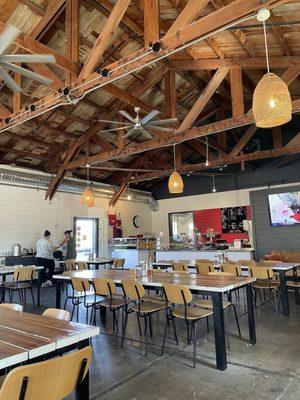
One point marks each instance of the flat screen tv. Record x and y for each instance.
(284, 208)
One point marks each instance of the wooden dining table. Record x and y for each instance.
(213, 286)
(25, 337)
(281, 268)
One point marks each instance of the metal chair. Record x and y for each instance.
(178, 299)
(57, 313)
(203, 268)
(82, 265)
(11, 306)
(180, 266)
(22, 281)
(134, 295)
(118, 263)
(81, 293)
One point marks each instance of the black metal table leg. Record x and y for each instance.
(250, 309)
(58, 284)
(219, 327)
(284, 300)
(83, 388)
(297, 296)
(39, 283)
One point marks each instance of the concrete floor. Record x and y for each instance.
(268, 370)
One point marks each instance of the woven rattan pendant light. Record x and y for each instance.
(175, 183)
(87, 198)
(272, 104)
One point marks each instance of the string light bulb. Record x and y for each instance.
(214, 185)
(207, 152)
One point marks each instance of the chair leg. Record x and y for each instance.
(124, 328)
(116, 328)
(65, 303)
(194, 328)
(237, 320)
(165, 336)
(150, 325)
(32, 296)
(77, 319)
(276, 305)
(226, 328)
(24, 297)
(188, 333)
(174, 329)
(73, 309)
(207, 324)
(20, 296)
(139, 323)
(146, 335)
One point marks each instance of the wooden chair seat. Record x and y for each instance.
(266, 285)
(208, 304)
(193, 313)
(293, 284)
(148, 307)
(16, 285)
(112, 303)
(158, 299)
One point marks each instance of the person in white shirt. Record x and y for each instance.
(44, 257)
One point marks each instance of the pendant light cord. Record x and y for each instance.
(88, 176)
(266, 46)
(174, 158)
(206, 150)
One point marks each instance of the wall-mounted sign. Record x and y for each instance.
(112, 218)
(232, 219)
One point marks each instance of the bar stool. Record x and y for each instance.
(134, 294)
(178, 298)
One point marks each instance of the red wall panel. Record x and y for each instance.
(204, 219)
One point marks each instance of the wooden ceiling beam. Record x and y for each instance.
(170, 93)
(203, 99)
(23, 153)
(277, 137)
(104, 38)
(4, 112)
(72, 36)
(237, 95)
(248, 63)
(250, 132)
(151, 22)
(17, 95)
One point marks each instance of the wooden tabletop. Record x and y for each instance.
(192, 263)
(7, 270)
(195, 282)
(24, 336)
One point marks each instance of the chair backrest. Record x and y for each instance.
(247, 263)
(54, 379)
(233, 268)
(203, 268)
(57, 313)
(177, 294)
(11, 306)
(180, 266)
(133, 289)
(23, 274)
(260, 271)
(81, 265)
(80, 285)
(70, 265)
(203, 260)
(104, 287)
(221, 273)
(118, 263)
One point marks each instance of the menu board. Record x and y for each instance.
(232, 219)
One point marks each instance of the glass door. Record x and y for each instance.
(86, 235)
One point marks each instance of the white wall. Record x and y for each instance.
(24, 215)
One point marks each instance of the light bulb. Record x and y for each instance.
(214, 189)
(129, 197)
(206, 163)
(175, 184)
(272, 103)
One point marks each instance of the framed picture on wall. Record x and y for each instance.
(232, 219)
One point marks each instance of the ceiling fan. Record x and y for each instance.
(7, 37)
(141, 125)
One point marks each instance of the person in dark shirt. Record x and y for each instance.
(71, 246)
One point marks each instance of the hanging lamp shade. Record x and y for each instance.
(272, 104)
(87, 198)
(175, 183)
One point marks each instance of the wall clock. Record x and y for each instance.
(137, 221)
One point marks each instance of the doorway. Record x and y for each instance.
(86, 235)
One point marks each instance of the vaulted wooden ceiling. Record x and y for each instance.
(208, 85)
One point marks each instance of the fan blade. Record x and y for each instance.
(127, 116)
(115, 129)
(148, 134)
(29, 58)
(28, 74)
(130, 132)
(150, 116)
(9, 81)
(165, 121)
(7, 37)
(113, 122)
(159, 128)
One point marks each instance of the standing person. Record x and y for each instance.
(44, 257)
(71, 245)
